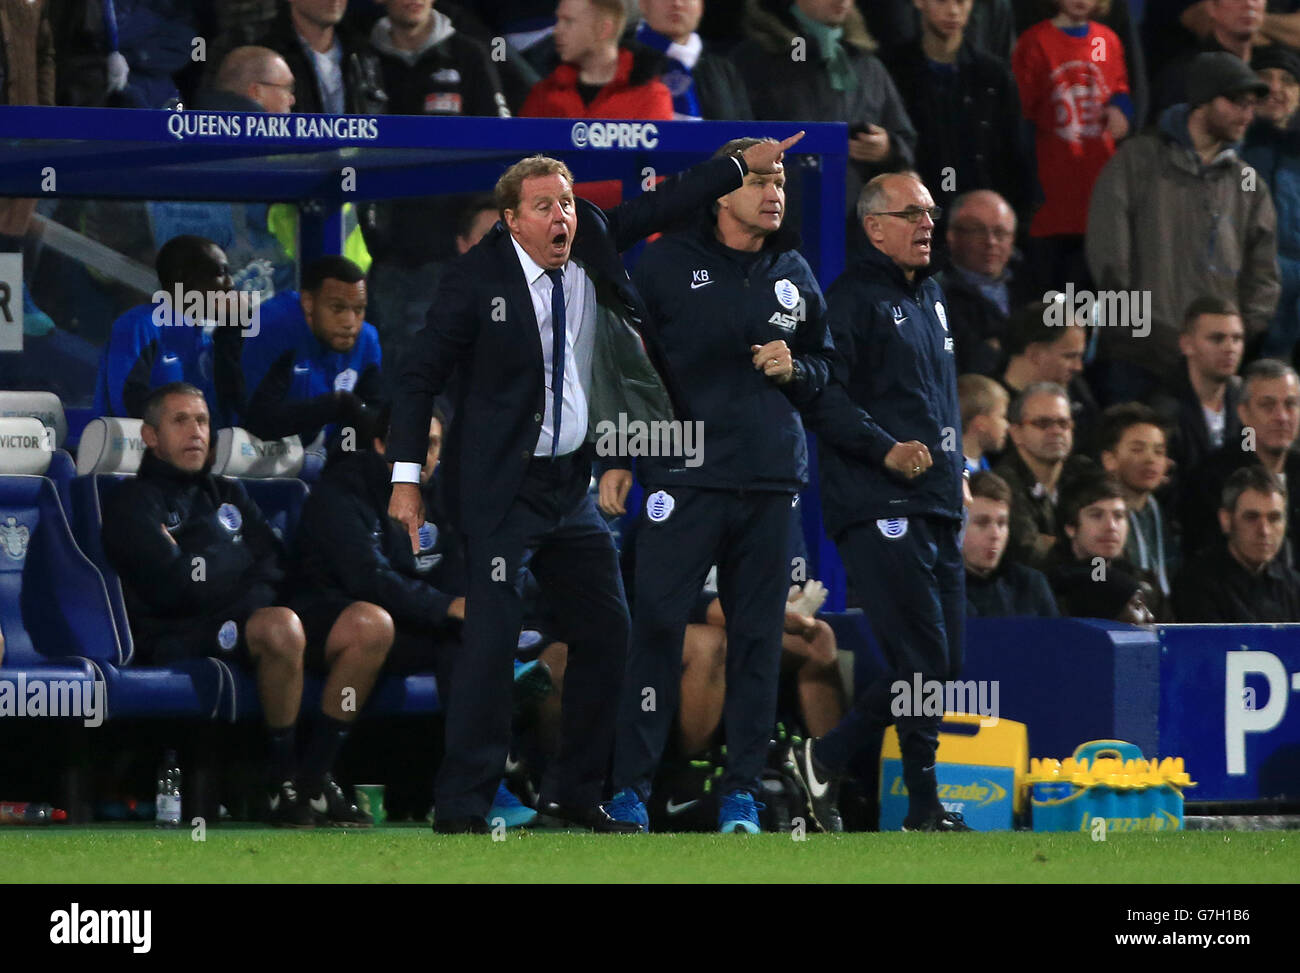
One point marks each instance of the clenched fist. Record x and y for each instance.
(909, 459)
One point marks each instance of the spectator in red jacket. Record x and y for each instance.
(1074, 90)
(599, 79)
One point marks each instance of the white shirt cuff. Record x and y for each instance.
(406, 472)
(739, 165)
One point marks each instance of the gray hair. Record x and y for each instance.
(1264, 370)
(153, 406)
(1016, 412)
(1252, 477)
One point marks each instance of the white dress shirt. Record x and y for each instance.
(580, 331)
(580, 338)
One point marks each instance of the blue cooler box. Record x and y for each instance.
(979, 770)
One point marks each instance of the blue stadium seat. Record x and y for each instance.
(281, 501)
(88, 494)
(53, 602)
(415, 695)
(109, 453)
(269, 471)
(46, 407)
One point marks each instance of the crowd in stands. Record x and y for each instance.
(1118, 248)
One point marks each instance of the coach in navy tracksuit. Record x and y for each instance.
(892, 486)
(741, 319)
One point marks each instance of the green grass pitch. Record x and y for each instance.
(414, 854)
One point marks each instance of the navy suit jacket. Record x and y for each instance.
(482, 327)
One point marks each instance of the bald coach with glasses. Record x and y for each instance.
(893, 487)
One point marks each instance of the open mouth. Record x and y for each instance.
(560, 240)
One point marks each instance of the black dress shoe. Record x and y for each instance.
(595, 818)
(468, 825)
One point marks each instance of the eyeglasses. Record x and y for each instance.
(996, 234)
(913, 214)
(1044, 423)
(282, 85)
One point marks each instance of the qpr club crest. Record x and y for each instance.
(427, 560)
(659, 506)
(228, 635)
(14, 537)
(230, 517)
(787, 294)
(346, 380)
(892, 528)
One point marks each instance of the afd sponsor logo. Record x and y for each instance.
(981, 793)
(614, 135)
(274, 448)
(79, 699)
(1242, 714)
(1159, 821)
(75, 926)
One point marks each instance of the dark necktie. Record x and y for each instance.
(558, 329)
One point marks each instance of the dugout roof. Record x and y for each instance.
(322, 161)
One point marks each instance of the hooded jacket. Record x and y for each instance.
(635, 92)
(451, 74)
(156, 527)
(782, 88)
(895, 381)
(347, 545)
(710, 305)
(1162, 221)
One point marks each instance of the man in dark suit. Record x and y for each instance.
(518, 459)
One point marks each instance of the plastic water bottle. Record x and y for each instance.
(167, 808)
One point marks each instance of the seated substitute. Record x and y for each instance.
(200, 566)
(314, 362)
(348, 550)
(156, 343)
(1243, 578)
(997, 587)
